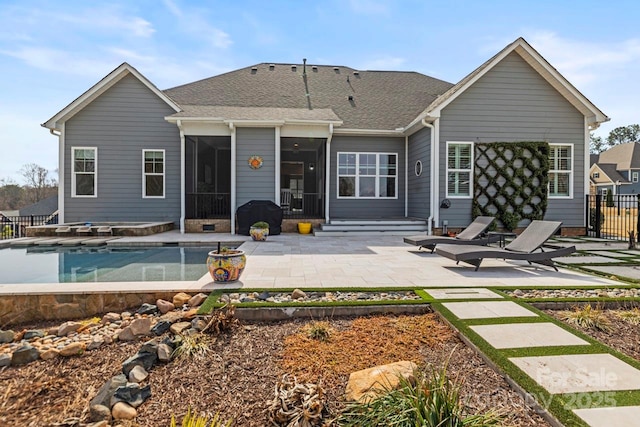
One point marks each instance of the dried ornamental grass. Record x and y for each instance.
(296, 404)
(587, 317)
(631, 316)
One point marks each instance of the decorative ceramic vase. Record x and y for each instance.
(226, 266)
(259, 234)
(304, 227)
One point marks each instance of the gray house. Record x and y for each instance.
(328, 143)
(617, 170)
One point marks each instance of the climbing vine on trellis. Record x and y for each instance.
(511, 181)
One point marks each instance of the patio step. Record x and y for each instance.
(368, 227)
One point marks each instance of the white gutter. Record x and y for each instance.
(277, 168)
(233, 177)
(406, 176)
(61, 149)
(327, 183)
(183, 210)
(432, 174)
(373, 132)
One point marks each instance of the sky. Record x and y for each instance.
(53, 51)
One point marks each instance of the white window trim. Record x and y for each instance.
(163, 174)
(596, 175)
(73, 174)
(570, 196)
(447, 170)
(357, 175)
(635, 176)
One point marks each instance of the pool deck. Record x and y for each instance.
(307, 261)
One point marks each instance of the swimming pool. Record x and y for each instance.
(102, 264)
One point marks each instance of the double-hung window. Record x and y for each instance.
(560, 170)
(459, 169)
(634, 176)
(152, 173)
(368, 175)
(83, 178)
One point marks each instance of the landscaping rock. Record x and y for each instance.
(96, 342)
(197, 300)
(147, 308)
(111, 318)
(141, 326)
(164, 353)
(103, 423)
(99, 413)
(177, 328)
(165, 306)
(126, 334)
(298, 294)
(181, 299)
(5, 360)
(365, 384)
(171, 317)
(24, 354)
(161, 327)
(198, 324)
(190, 314)
(146, 360)
(122, 411)
(73, 349)
(6, 336)
(103, 397)
(150, 346)
(33, 334)
(68, 327)
(131, 394)
(52, 353)
(263, 296)
(138, 374)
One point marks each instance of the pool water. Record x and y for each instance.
(119, 264)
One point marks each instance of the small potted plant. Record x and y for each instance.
(226, 265)
(259, 230)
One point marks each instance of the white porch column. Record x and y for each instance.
(233, 177)
(61, 171)
(183, 212)
(327, 175)
(277, 165)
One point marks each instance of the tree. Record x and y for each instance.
(11, 195)
(37, 181)
(624, 134)
(596, 144)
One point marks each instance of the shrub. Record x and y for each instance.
(192, 346)
(609, 199)
(433, 401)
(193, 420)
(587, 318)
(631, 316)
(320, 331)
(261, 224)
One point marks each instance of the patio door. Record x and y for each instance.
(292, 185)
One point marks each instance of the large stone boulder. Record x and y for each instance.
(366, 384)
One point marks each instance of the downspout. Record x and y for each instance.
(432, 173)
(277, 168)
(61, 172)
(327, 169)
(233, 177)
(182, 178)
(406, 176)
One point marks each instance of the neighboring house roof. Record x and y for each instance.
(44, 207)
(594, 115)
(361, 99)
(10, 213)
(593, 159)
(98, 89)
(611, 175)
(626, 156)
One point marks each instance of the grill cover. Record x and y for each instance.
(259, 210)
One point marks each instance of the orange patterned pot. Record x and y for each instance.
(226, 266)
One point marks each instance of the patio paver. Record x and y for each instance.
(487, 309)
(476, 293)
(579, 373)
(523, 335)
(606, 417)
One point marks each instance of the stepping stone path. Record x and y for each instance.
(569, 374)
(119, 397)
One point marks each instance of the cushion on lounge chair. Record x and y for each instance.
(521, 248)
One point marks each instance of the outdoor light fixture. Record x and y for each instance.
(312, 166)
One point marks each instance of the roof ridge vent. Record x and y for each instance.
(254, 70)
(356, 73)
(294, 67)
(272, 67)
(314, 67)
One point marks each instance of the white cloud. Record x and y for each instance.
(194, 23)
(60, 61)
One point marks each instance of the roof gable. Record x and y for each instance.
(520, 46)
(99, 88)
(611, 175)
(625, 156)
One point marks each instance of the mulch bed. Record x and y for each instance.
(237, 377)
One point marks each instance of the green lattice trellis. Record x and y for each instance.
(511, 181)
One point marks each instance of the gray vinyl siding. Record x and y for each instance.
(121, 122)
(255, 184)
(419, 186)
(512, 102)
(366, 208)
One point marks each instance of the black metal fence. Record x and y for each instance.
(208, 205)
(613, 217)
(13, 227)
(306, 205)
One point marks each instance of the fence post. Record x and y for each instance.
(638, 219)
(598, 214)
(31, 221)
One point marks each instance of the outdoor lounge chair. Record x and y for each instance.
(469, 236)
(522, 247)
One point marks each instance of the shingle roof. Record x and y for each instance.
(626, 156)
(257, 113)
(43, 207)
(380, 99)
(610, 170)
